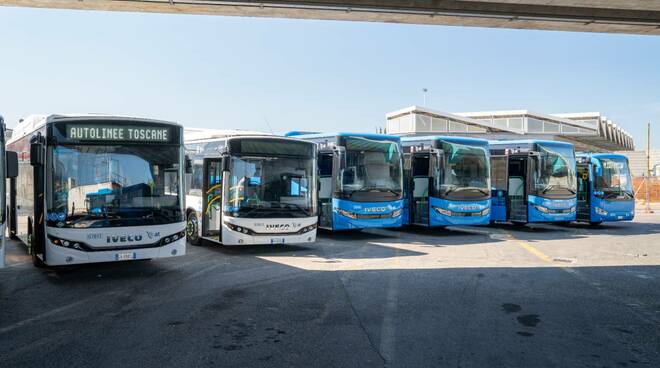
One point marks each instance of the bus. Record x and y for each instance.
(447, 181)
(98, 188)
(8, 170)
(360, 180)
(250, 188)
(605, 190)
(533, 181)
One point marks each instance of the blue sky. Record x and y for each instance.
(223, 72)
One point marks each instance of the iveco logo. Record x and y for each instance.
(466, 207)
(123, 238)
(278, 226)
(375, 209)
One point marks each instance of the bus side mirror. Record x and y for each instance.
(225, 163)
(598, 168)
(538, 162)
(188, 165)
(437, 165)
(341, 157)
(12, 164)
(37, 151)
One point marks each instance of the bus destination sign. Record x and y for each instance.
(95, 132)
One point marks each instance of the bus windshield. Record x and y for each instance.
(466, 173)
(614, 181)
(271, 187)
(554, 174)
(373, 170)
(112, 185)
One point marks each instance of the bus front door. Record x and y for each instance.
(517, 184)
(583, 193)
(325, 188)
(212, 199)
(419, 197)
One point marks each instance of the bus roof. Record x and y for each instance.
(601, 155)
(461, 140)
(530, 141)
(308, 135)
(31, 123)
(200, 135)
(196, 135)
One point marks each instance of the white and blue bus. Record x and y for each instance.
(360, 180)
(8, 170)
(250, 188)
(98, 188)
(605, 190)
(533, 181)
(447, 181)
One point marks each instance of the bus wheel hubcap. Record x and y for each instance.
(191, 228)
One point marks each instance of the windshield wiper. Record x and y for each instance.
(553, 186)
(462, 189)
(378, 189)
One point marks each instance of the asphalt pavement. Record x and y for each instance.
(503, 296)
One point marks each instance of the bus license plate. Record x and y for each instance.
(127, 256)
(277, 241)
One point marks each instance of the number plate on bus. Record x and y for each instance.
(126, 256)
(277, 241)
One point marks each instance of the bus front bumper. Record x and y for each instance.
(61, 256)
(232, 237)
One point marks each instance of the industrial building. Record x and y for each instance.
(587, 131)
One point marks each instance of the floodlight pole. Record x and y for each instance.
(648, 167)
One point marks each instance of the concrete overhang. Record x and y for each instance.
(609, 16)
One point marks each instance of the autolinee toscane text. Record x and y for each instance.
(117, 133)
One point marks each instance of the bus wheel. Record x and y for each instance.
(36, 261)
(192, 229)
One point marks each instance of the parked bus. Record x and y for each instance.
(605, 191)
(360, 180)
(447, 181)
(250, 188)
(98, 188)
(533, 181)
(8, 170)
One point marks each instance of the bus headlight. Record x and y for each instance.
(601, 211)
(485, 212)
(541, 209)
(172, 238)
(66, 243)
(442, 211)
(239, 229)
(573, 209)
(347, 213)
(397, 212)
(307, 229)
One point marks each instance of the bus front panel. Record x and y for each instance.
(459, 213)
(349, 215)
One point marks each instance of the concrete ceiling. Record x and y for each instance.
(610, 16)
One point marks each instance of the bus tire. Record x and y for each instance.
(192, 229)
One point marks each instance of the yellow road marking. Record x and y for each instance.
(532, 249)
